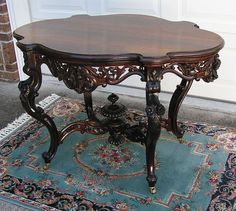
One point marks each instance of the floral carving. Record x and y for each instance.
(85, 78)
(205, 69)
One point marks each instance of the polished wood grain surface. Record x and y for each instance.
(120, 37)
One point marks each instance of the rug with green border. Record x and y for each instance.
(88, 173)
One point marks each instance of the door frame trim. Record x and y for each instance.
(19, 14)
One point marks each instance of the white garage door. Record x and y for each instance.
(214, 15)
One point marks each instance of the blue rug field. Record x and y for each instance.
(88, 173)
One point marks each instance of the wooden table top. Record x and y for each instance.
(139, 38)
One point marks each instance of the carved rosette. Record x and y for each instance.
(205, 69)
(154, 108)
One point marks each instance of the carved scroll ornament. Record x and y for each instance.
(205, 69)
(86, 78)
(83, 78)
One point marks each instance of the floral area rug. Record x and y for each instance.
(88, 173)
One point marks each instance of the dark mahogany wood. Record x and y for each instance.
(175, 103)
(137, 38)
(88, 51)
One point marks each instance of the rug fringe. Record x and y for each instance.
(24, 118)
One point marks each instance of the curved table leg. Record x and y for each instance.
(89, 105)
(28, 91)
(154, 111)
(175, 103)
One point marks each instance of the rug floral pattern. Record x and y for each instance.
(89, 174)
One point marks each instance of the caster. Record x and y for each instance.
(182, 141)
(152, 190)
(46, 166)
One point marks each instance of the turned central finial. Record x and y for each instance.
(113, 98)
(113, 110)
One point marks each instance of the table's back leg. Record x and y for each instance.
(28, 92)
(89, 105)
(175, 103)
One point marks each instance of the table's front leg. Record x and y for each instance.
(28, 92)
(154, 111)
(175, 103)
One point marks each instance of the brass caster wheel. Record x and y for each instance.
(152, 190)
(182, 141)
(46, 166)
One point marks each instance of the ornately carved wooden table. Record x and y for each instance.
(86, 52)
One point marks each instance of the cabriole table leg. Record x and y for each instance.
(89, 105)
(154, 111)
(175, 103)
(28, 91)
